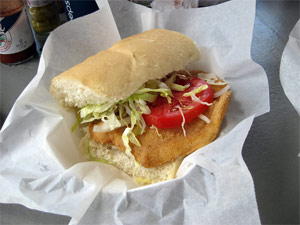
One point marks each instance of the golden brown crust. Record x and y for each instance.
(157, 150)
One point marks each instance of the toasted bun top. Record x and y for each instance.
(117, 72)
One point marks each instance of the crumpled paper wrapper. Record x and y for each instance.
(290, 68)
(42, 168)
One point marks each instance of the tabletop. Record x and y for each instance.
(270, 150)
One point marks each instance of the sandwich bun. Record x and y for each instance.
(117, 72)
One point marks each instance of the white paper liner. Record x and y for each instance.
(41, 167)
(215, 187)
(290, 68)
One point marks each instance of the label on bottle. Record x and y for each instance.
(15, 33)
(38, 3)
(75, 8)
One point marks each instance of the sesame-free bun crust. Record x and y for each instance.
(117, 72)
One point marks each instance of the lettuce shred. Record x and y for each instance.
(127, 112)
(157, 132)
(196, 90)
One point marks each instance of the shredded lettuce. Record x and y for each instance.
(171, 80)
(127, 112)
(159, 90)
(196, 90)
(93, 112)
(173, 86)
(147, 97)
(196, 99)
(183, 119)
(164, 91)
(178, 87)
(129, 136)
(110, 122)
(157, 132)
(75, 125)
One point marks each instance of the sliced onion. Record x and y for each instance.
(222, 91)
(204, 118)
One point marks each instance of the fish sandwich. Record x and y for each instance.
(144, 111)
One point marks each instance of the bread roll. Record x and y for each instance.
(117, 72)
(111, 155)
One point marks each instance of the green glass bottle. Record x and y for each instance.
(44, 15)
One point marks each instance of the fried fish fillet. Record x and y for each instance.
(156, 150)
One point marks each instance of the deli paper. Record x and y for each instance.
(290, 68)
(42, 168)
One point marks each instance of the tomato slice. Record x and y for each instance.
(165, 115)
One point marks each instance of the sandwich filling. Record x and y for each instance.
(163, 103)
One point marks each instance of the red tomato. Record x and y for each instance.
(165, 115)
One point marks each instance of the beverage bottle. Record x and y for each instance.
(44, 15)
(16, 40)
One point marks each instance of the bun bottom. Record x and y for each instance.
(111, 155)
